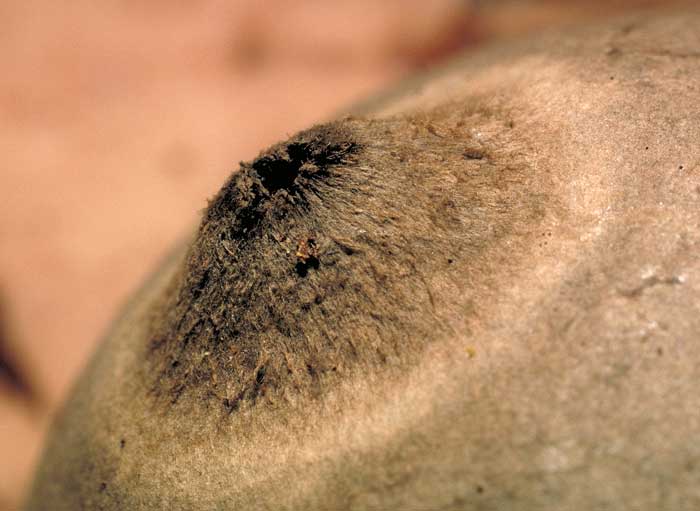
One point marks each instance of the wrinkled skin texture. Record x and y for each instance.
(503, 311)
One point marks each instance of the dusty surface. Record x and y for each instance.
(518, 238)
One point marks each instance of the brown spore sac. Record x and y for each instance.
(311, 256)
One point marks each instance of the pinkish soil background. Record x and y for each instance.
(119, 118)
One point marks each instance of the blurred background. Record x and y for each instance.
(119, 118)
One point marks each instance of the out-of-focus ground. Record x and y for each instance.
(119, 118)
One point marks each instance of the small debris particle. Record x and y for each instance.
(306, 250)
(473, 154)
(307, 256)
(433, 131)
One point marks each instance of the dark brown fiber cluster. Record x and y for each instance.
(311, 262)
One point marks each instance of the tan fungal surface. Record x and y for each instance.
(479, 292)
